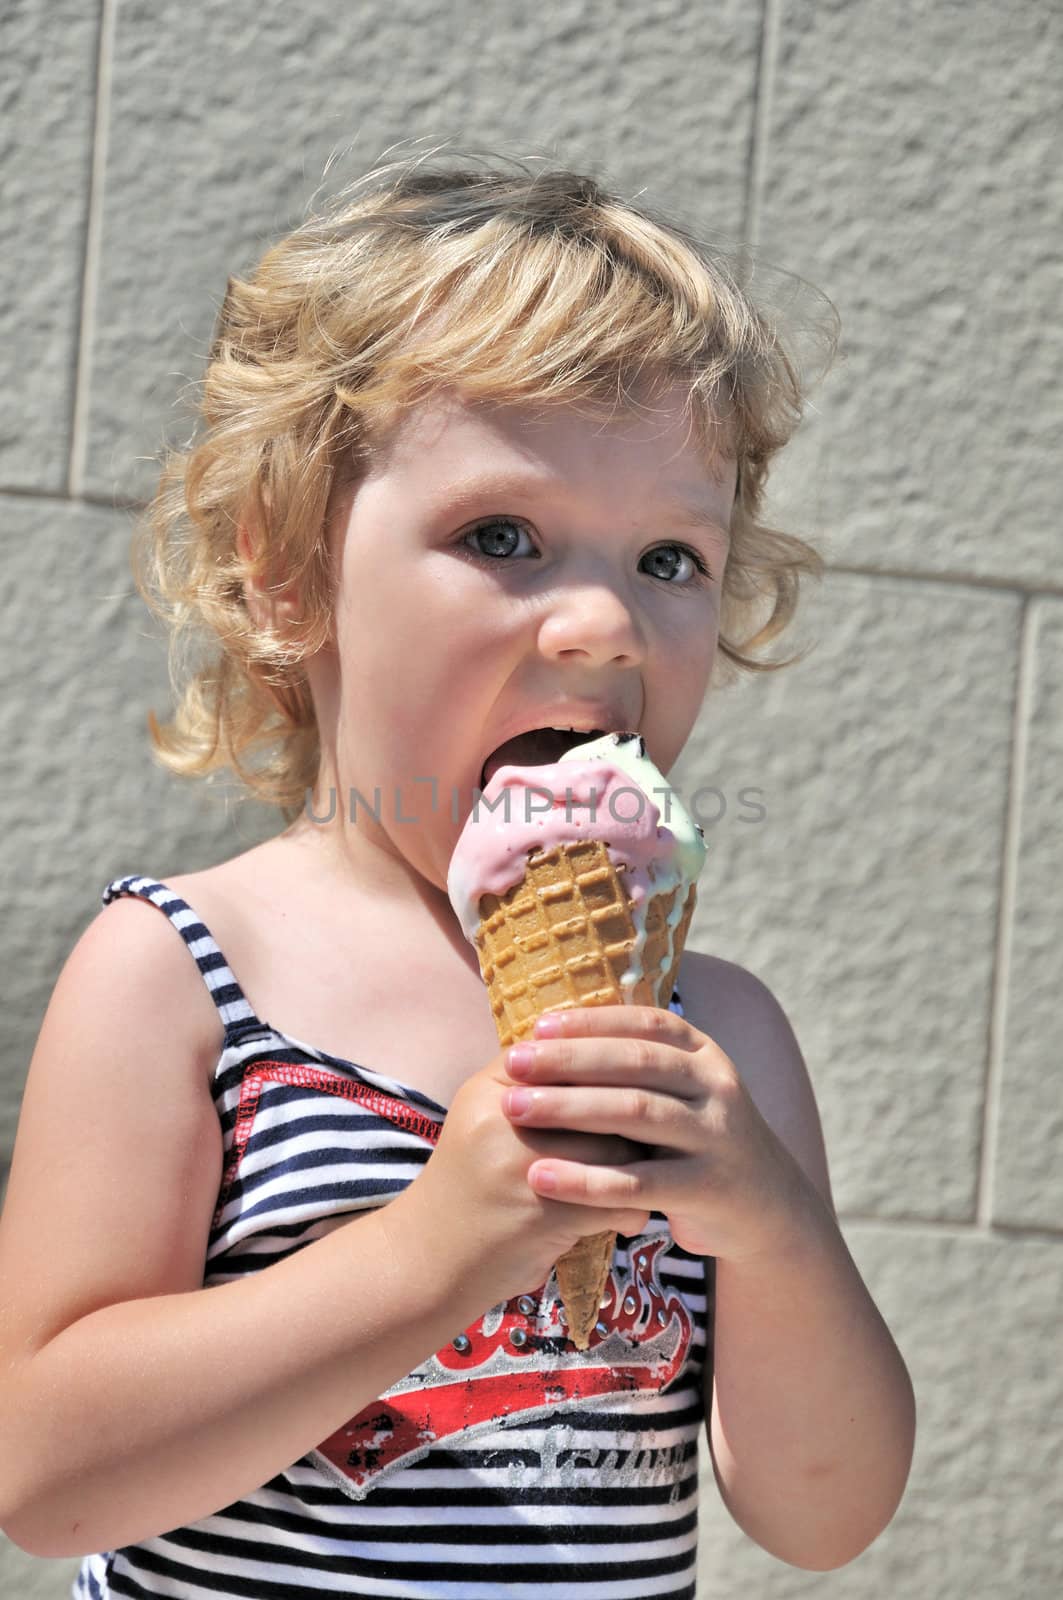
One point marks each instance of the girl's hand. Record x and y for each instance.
(727, 1184)
(471, 1212)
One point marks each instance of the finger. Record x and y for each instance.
(605, 1149)
(647, 1022)
(637, 1114)
(616, 1061)
(612, 1188)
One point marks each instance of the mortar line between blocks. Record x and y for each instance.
(1009, 867)
(91, 262)
(763, 90)
(950, 575)
(943, 1228)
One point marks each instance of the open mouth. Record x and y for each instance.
(539, 747)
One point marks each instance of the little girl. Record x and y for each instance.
(278, 1310)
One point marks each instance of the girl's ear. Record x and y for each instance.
(267, 609)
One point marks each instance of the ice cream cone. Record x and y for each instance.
(564, 936)
(585, 903)
(582, 1273)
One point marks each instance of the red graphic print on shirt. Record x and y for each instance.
(514, 1362)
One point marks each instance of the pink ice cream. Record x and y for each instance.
(600, 790)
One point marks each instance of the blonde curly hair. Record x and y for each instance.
(489, 275)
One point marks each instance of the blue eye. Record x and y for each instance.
(495, 526)
(691, 555)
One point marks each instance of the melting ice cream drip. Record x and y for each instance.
(681, 857)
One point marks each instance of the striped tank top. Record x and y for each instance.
(507, 1465)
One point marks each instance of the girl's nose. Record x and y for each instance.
(594, 620)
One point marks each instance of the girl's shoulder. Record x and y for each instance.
(719, 997)
(131, 959)
(740, 1014)
(149, 966)
(118, 1153)
(155, 946)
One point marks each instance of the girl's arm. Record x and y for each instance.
(132, 1399)
(810, 1409)
(812, 1424)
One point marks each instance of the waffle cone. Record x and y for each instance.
(564, 936)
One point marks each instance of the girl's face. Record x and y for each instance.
(500, 569)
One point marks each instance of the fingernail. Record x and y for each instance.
(546, 1180)
(517, 1101)
(548, 1027)
(520, 1060)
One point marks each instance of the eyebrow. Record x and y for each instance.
(676, 509)
(695, 515)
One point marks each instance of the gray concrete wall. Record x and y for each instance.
(903, 895)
